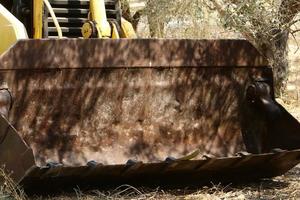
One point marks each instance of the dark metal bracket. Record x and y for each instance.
(269, 125)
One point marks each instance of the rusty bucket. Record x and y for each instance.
(108, 112)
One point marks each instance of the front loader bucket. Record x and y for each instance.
(161, 112)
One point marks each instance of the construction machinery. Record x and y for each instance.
(82, 107)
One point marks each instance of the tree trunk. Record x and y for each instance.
(126, 13)
(287, 12)
(126, 10)
(280, 61)
(155, 20)
(156, 26)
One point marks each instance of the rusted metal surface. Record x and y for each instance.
(73, 116)
(15, 155)
(109, 101)
(94, 53)
(169, 104)
(166, 174)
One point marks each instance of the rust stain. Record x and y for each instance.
(110, 101)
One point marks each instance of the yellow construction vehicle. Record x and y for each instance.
(81, 107)
(58, 19)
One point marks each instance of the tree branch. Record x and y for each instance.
(295, 31)
(288, 10)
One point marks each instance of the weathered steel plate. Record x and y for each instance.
(77, 100)
(16, 157)
(182, 173)
(73, 116)
(95, 53)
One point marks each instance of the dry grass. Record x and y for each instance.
(8, 189)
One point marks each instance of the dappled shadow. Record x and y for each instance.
(110, 101)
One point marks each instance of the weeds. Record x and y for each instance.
(9, 189)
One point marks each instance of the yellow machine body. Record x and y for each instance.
(38, 19)
(97, 20)
(98, 14)
(11, 29)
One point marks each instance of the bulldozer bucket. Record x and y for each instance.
(109, 112)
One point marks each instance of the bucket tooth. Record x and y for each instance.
(208, 156)
(170, 159)
(278, 150)
(92, 163)
(53, 165)
(132, 167)
(131, 162)
(243, 154)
